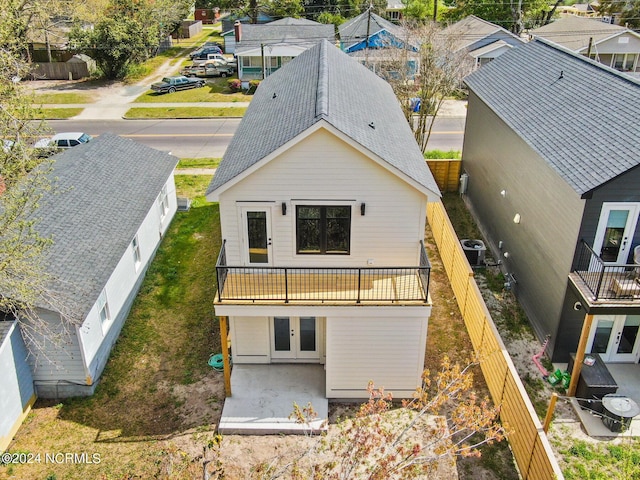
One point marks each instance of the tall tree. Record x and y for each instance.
(423, 80)
(285, 8)
(124, 37)
(23, 181)
(512, 15)
(627, 12)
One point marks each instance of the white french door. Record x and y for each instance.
(295, 338)
(615, 231)
(256, 232)
(615, 338)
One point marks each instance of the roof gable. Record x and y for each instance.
(255, 36)
(316, 86)
(105, 189)
(355, 31)
(539, 91)
(575, 32)
(472, 30)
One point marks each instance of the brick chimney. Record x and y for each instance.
(237, 28)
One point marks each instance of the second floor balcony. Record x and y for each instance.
(401, 285)
(605, 282)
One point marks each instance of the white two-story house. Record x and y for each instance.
(322, 195)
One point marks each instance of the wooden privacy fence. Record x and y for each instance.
(446, 173)
(529, 443)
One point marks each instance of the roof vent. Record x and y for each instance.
(274, 95)
(372, 125)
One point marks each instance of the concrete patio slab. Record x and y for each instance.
(263, 397)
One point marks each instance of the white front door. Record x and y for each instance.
(615, 231)
(256, 223)
(615, 338)
(295, 338)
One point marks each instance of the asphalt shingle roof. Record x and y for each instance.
(5, 326)
(470, 30)
(105, 189)
(269, 34)
(323, 83)
(574, 32)
(578, 115)
(356, 29)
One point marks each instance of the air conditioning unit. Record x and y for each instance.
(474, 251)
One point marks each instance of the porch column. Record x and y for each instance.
(582, 346)
(224, 343)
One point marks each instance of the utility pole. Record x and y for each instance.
(366, 45)
(435, 10)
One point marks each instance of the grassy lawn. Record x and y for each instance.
(214, 91)
(59, 113)
(63, 98)
(199, 163)
(134, 421)
(138, 72)
(185, 112)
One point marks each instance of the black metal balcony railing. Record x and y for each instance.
(323, 284)
(604, 280)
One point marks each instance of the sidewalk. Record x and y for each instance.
(111, 111)
(117, 111)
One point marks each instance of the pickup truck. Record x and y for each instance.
(217, 69)
(171, 84)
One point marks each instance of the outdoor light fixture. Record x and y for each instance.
(284, 208)
(516, 218)
(362, 207)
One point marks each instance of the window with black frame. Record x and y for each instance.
(323, 230)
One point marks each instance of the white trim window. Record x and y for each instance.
(163, 202)
(103, 309)
(135, 249)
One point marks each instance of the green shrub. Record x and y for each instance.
(438, 154)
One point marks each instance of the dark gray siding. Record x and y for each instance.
(625, 188)
(541, 247)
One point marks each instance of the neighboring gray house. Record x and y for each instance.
(323, 193)
(483, 40)
(612, 45)
(554, 183)
(17, 395)
(115, 200)
(263, 49)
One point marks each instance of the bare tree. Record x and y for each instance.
(423, 79)
(24, 180)
(418, 439)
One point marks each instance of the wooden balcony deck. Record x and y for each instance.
(371, 288)
(619, 288)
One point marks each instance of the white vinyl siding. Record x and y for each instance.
(250, 339)
(320, 168)
(388, 351)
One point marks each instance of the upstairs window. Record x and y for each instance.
(135, 249)
(103, 308)
(163, 202)
(323, 230)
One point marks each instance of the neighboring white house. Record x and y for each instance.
(612, 45)
(322, 195)
(263, 49)
(114, 201)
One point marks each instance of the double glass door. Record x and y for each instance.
(294, 338)
(615, 338)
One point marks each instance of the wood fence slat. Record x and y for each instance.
(530, 445)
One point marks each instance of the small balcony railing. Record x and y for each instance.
(607, 281)
(341, 285)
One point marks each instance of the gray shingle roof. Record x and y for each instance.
(579, 116)
(574, 32)
(323, 83)
(471, 30)
(293, 21)
(269, 34)
(105, 190)
(5, 326)
(355, 30)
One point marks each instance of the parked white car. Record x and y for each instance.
(63, 140)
